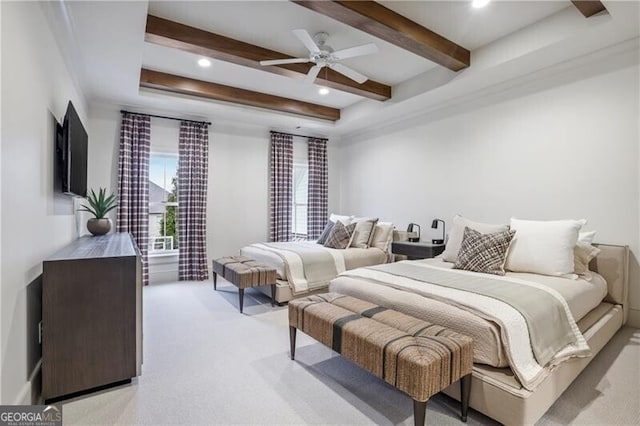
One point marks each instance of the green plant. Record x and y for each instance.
(100, 205)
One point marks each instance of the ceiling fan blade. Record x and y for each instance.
(352, 52)
(284, 61)
(312, 74)
(352, 74)
(307, 40)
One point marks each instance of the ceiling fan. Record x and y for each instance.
(323, 55)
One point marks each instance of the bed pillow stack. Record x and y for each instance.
(555, 247)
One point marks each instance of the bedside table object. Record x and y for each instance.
(434, 225)
(418, 250)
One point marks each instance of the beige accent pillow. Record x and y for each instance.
(363, 232)
(382, 236)
(583, 253)
(543, 247)
(456, 235)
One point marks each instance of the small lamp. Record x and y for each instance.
(434, 225)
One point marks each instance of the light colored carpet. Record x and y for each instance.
(205, 363)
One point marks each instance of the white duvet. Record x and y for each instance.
(289, 264)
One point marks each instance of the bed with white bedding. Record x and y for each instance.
(305, 267)
(509, 384)
(580, 294)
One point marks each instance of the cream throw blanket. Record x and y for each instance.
(307, 265)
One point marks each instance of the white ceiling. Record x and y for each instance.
(473, 28)
(107, 47)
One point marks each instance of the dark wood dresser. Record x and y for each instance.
(91, 315)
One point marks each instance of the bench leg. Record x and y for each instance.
(273, 295)
(419, 411)
(241, 297)
(465, 389)
(292, 341)
(215, 280)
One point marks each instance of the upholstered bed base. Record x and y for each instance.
(495, 392)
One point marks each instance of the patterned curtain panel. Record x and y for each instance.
(281, 186)
(192, 201)
(133, 183)
(318, 192)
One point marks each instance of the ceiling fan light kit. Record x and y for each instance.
(323, 55)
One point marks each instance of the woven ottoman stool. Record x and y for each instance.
(416, 357)
(244, 273)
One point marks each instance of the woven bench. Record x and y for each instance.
(418, 358)
(244, 273)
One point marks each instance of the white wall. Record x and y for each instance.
(36, 221)
(238, 192)
(0, 208)
(566, 148)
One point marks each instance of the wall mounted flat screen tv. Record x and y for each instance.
(72, 154)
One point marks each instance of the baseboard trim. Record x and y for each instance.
(25, 396)
(634, 318)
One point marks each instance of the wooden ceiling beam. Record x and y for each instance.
(588, 7)
(204, 89)
(377, 20)
(189, 39)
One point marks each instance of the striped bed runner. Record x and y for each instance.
(416, 357)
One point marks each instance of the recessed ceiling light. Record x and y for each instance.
(479, 3)
(323, 91)
(204, 62)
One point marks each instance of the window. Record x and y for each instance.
(299, 210)
(300, 185)
(163, 203)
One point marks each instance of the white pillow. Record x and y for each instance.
(450, 253)
(342, 218)
(382, 236)
(587, 237)
(543, 247)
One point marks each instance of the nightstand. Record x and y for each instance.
(419, 250)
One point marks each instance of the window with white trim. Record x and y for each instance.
(163, 203)
(300, 188)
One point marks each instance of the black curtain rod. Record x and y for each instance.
(300, 136)
(166, 118)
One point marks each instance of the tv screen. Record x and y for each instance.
(74, 154)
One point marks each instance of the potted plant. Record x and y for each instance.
(99, 206)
